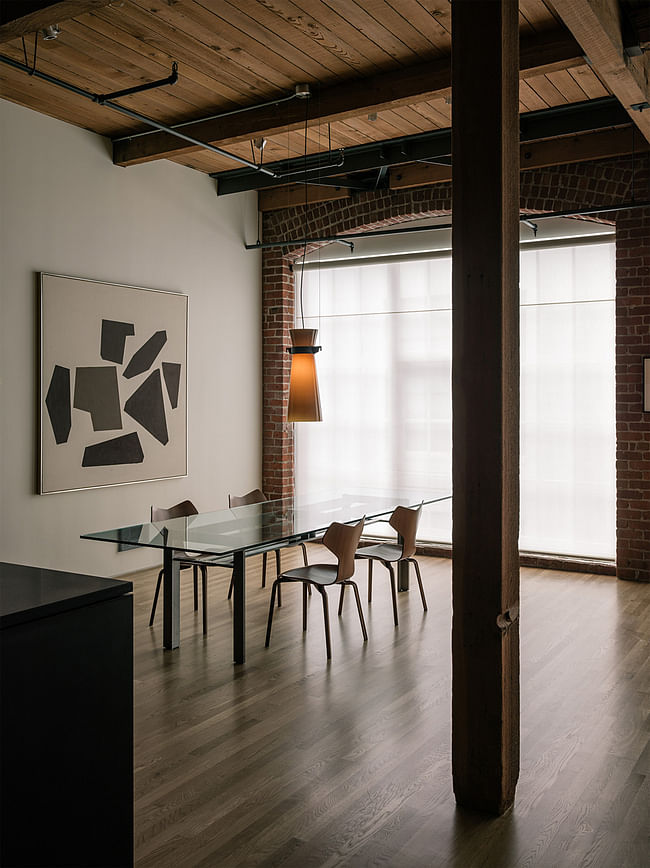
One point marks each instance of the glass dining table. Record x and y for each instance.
(247, 530)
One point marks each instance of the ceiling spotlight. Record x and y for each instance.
(303, 91)
(372, 116)
(51, 32)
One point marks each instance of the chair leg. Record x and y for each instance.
(195, 576)
(326, 618)
(155, 598)
(370, 580)
(204, 592)
(278, 572)
(304, 606)
(304, 556)
(341, 597)
(271, 607)
(417, 573)
(359, 609)
(264, 569)
(393, 591)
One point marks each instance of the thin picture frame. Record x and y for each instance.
(112, 385)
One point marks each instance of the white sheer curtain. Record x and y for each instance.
(385, 379)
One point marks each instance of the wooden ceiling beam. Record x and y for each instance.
(20, 17)
(276, 198)
(418, 83)
(597, 27)
(535, 155)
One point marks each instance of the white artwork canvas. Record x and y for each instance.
(113, 384)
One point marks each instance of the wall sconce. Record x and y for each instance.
(304, 397)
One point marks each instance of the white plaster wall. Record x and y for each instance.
(65, 209)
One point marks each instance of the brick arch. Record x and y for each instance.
(558, 188)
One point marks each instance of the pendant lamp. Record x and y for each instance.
(304, 397)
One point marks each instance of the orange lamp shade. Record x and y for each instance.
(304, 397)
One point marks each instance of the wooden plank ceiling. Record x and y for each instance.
(378, 69)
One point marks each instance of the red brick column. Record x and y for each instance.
(277, 319)
(632, 424)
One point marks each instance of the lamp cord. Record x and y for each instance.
(633, 160)
(304, 250)
(33, 69)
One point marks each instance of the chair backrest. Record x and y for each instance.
(405, 521)
(254, 496)
(342, 540)
(186, 507)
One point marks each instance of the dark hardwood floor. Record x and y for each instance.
(292, 762)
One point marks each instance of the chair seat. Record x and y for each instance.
(383, 552)
(321, 574)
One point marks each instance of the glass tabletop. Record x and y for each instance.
(257, 525)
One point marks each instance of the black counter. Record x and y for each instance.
(66, 719)
(28, 593)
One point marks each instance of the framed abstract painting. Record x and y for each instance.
(113, 384)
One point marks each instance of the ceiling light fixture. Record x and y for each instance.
(304, 395)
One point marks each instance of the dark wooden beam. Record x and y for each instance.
(418, 83)
(566, 120)
(485, 392)
(535, 155)
(27, 16)
(276, 198)
(598, 28)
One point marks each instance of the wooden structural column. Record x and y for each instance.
(485, 390)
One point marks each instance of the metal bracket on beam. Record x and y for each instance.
(102, 98)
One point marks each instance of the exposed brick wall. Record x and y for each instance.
(568, 187)
(277, 319)
(632, 424)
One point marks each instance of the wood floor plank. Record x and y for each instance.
(291, 762)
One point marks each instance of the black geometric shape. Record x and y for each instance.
(172, 375)
(144, 358)
(114, 336)
(57, 402)
(120, 450)
(146, 406)
(95, 390)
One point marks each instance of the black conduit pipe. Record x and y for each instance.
(374, 233)
(98, 98)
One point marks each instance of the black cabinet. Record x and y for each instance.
(66, 719)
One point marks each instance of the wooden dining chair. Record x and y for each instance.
(341, 540)
(258, 496)
(196, 562)
(405, 521)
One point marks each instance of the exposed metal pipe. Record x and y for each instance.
(97, 98)
(375, 233)
(227, 114)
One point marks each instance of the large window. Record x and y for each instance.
(385, 378)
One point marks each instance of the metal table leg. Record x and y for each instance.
(239, 608)
(171, 600)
